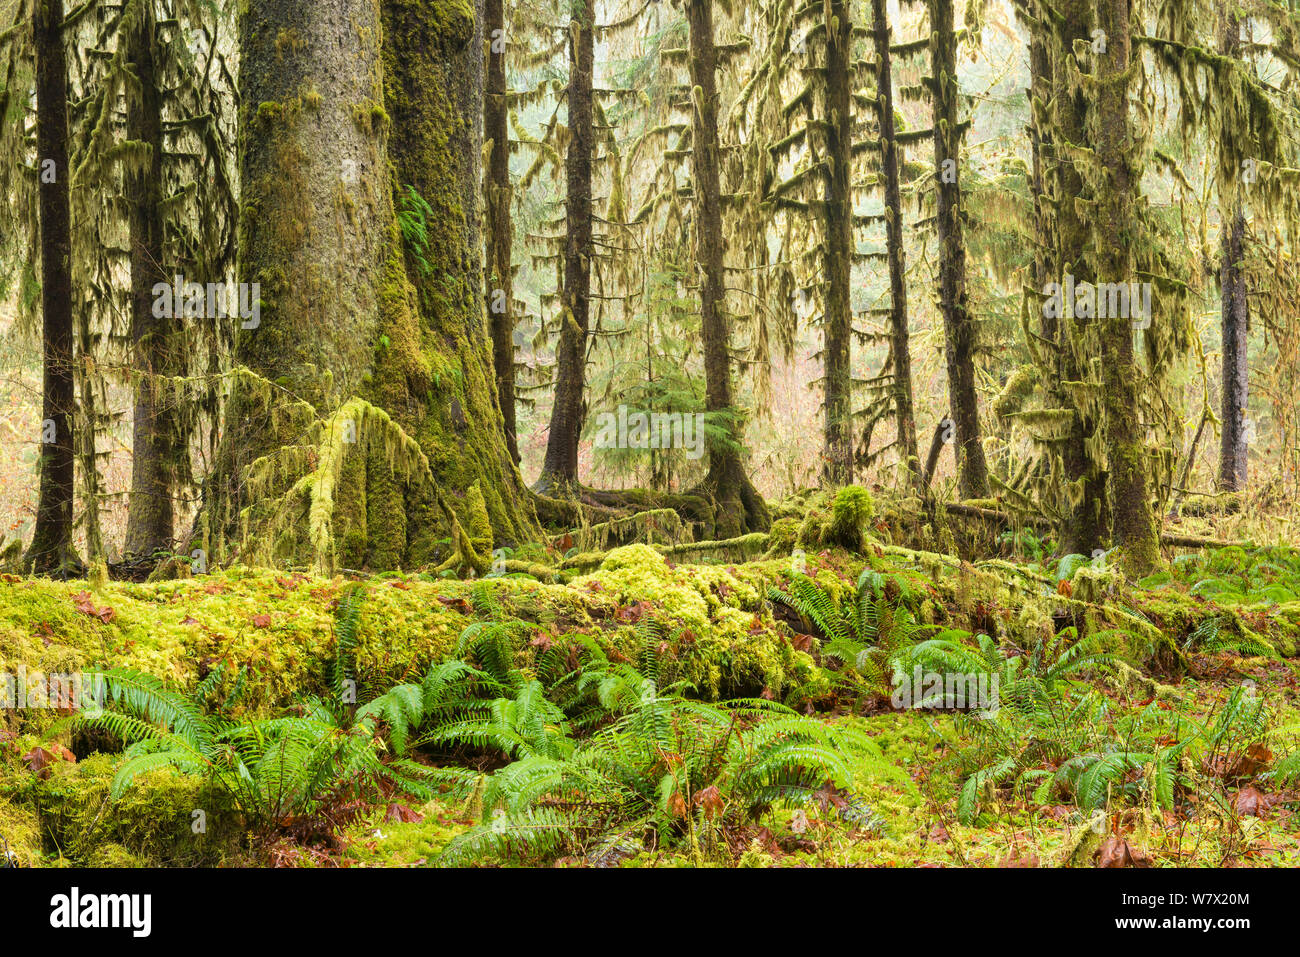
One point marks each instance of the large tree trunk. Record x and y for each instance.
(1234, 444)
(560, 467)
(740, 508)
(338, 132)
(157, 440)
(959, 326)
(1133, 522)
(497, 195)
(837, 467)
(1085, 513)
(900, 346)
(51, 550)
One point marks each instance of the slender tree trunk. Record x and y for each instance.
(739, 507)
(1040, 144)
(1133, 522)
(839, 247)
(341, 132)
(900, 346)
(959, 326)
(500, 276)
(1234, 443)
(560, 466)
(1085, 512)
(157, 436)
(51, 551)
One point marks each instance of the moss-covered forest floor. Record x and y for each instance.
(1138, 724)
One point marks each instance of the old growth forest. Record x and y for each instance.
(650, 433)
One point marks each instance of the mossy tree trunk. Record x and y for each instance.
(837, 451)
(1085, 512)
(1233, 444)
(51, 551)
(157, 439)
(740, 508)
(338, 133)
(560, 466)
(900, 345)
(1133, 523)
(1040, 144)
(959, 325)
(497, 196)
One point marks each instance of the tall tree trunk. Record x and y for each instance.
(1234, 442)
(900, 346)
(157, 437)
(339, 134)
(1133, 524)
(740, 508)
(560, 466)
(51, 550)
(1084, 512)
(1040, 145)
(497, 195)
(959, 326)
(838, 321)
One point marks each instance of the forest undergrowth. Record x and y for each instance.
(871, 683)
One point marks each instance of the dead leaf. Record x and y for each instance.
(42, 760)
(86, 606)
(403, 814)
(710, 800)
(1017, 858)
(1117, 852)
(1250, 802)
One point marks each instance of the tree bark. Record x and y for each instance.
(1234, 441)
(959, 326)
(1085, 512)
(497, 195)
(1040, 144)
(900, 347)
(157, 439)
(51, 551)
(1133, 524)
(560, 467)
(740, 508)
(339, 134)
(839, 247)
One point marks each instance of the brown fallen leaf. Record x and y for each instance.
(1237, 767)
(1117, 852)
(403, 814)
(1250, 802)
(87, 607)
(1020, 858)
(262, 621)
(42, 760)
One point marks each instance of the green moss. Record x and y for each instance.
(727, 643)
(20, 832)
(153, 824)
(839, 521)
